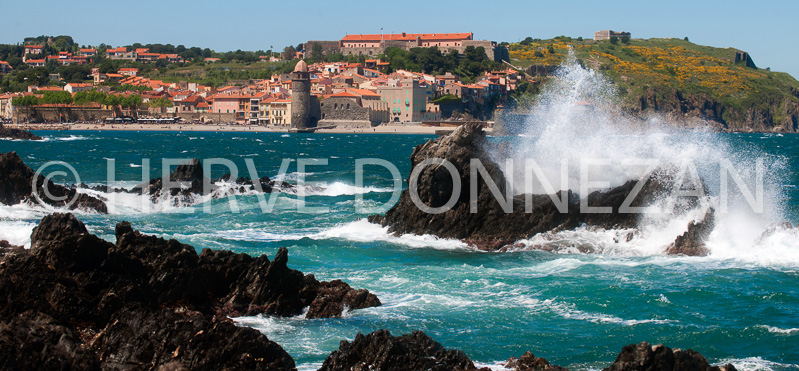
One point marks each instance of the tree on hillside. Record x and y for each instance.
(317, 53)
(625, 39)
(289, 52)
(614, 40)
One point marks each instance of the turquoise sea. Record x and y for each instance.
(739, 305)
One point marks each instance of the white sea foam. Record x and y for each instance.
(363, 231)
(577, 117)
(777, 330)
(66, 139)
(16, 232)
(757, 364)
(335, 189)
(569, 311)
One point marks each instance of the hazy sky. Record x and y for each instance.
(766, 28)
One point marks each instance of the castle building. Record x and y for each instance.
(374, 44)
(607, 34)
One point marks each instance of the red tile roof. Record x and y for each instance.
(409, 37)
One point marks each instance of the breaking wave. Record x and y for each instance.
(578, 119)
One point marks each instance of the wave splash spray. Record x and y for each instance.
(577, 118)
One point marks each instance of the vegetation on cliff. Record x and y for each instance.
(680, 78)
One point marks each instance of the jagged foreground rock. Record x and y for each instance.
(380, 351)
(10, 133)
(491, 228)
(75, 301)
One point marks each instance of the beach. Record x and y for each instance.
(380, 129)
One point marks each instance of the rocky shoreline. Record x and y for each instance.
(380, 350)
(492, 228)
(75, 301)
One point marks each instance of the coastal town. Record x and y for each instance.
(361, 92)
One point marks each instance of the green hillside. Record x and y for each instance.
(680, 78)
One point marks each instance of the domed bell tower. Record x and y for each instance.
(301, 96)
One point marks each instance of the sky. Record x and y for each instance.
(766, 28)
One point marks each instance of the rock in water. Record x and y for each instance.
(146, 302)
(692, 242)
(645, 357)
(381, 351)
(491, 228)
(193, 181)
(529, 362)
(9, 133)
(16, 185)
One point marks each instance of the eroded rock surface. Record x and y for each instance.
(146, 302)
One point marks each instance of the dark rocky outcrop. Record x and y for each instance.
(382, 351)
(16, 185)
(645, 357)
(491, 228)
(192, 181)
(146, 302)
(35, 341)
(529, 362)
(11, 133)
(692, 241)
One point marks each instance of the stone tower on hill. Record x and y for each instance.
(301, 117)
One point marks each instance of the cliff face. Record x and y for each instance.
(780, 115)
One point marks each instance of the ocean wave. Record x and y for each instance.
(757, 364)
(66, 139)
(16, 232)
(363, 231)
(335, 189)
(777, 330)
(358, 231)
(569, 311)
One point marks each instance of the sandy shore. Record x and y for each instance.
(382, 129)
